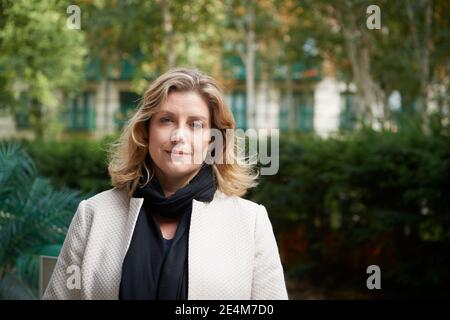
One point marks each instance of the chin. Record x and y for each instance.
(175, 169)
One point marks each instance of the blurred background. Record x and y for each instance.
(361, 102)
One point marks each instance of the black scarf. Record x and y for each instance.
(200, 188)
(150, 271)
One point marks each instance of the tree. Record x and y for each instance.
(428, 30)
(408, 53)
(39, 56)
(293, 42)
(346, 22)
(162, 34)
(250, 30)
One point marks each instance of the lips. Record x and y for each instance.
(178, 152)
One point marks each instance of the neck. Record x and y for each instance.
(170, 185)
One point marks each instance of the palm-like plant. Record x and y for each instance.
(32, 215)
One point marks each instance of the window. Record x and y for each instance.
(304, 103)
(239, 109)
(128, 104)
(347, 115)
(79, 113)
(302, 112)
(284, 112)
(23, 110)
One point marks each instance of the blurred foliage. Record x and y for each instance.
(338, 204)
(33, 217)
(38, 56)
(76, 162)
(362, 198)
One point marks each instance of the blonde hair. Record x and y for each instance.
(130, 160)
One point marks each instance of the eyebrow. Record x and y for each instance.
(190, 117)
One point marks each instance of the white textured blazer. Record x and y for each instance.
(232, 251)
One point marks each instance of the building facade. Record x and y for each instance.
(315, 103)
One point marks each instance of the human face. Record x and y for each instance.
(179, 134)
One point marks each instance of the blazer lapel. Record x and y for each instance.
(211, 257)
(220, 252)
(195, 251)
(118, 247)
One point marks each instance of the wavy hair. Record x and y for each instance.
(129, 158)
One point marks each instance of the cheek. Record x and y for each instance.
(159, 135)
(157, 139)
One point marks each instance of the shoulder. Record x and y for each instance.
(242, 213)
(112, 198)
(238, 204)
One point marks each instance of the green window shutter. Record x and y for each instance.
(22, 113)
(347, 114)
(88, 111)
(239, 109)
(284, 111)
(85, 110)
(75, 110)
(128, 104)
(235, 65)
(304, 109)
(65, 113)
(79, 112)
(90, 103)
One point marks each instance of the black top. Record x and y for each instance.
(155, 268)
(167, 244)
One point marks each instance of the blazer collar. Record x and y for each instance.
(198, 210)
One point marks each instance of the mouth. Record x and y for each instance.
(177, 153)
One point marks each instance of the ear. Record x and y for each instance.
(211, 147)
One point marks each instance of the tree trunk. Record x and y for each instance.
(368, 95)
(290, 100)
(386, 122)
(168, 30)
(422, 52)
(37, 120)
(250, 64)
(107, 103)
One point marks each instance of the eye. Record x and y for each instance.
(197, 124)
(165, 120)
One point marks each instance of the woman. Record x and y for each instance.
(173, 227)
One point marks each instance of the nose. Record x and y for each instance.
(178, 136)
